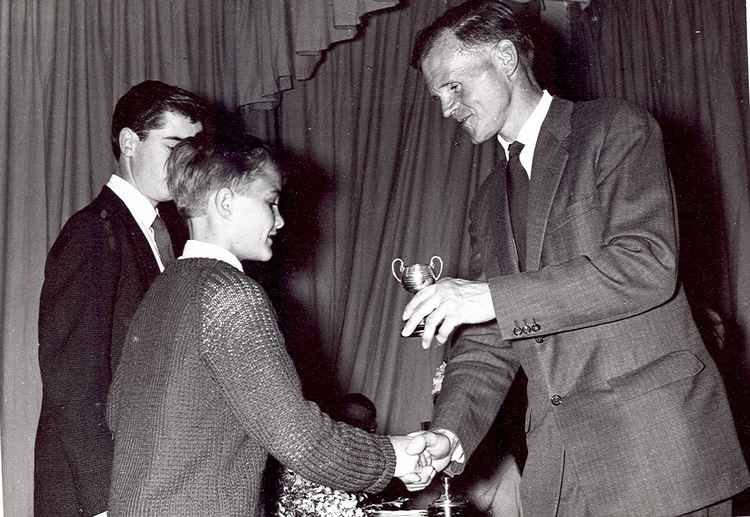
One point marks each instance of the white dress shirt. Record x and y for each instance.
(140, 208)
(529, 132)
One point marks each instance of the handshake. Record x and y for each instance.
(420, 455)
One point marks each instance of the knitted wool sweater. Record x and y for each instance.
(205, 390)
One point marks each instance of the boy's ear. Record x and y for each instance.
(128, 140)
(223, 201)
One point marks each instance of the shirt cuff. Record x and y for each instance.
(458, 451)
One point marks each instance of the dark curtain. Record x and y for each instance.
(63, 64)
(686, 62)
(377, 174)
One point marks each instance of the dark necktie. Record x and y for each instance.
(518, 196)
(163, 240)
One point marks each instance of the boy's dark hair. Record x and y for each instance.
(357, 410)
(143, 106)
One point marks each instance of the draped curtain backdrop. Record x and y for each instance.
(376, 172)
(379, 175)
(686, 62)
(63, 64)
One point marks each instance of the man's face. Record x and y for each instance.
(147, 171)
(472, 86)
(256, 218)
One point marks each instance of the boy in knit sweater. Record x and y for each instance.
(205, 390)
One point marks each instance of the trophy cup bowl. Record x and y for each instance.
(416, 277)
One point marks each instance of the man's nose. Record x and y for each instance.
(448, 105)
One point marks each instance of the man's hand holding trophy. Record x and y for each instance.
(416, 277)
(438, 307)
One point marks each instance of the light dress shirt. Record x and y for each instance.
(528, 136)
(140, 208)
(201, 249)
(529, 132)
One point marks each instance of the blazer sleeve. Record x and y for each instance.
(258, 379)
(479, 371)
(612, 254)
(478, 374)
(75, 322)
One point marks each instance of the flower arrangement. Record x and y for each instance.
(300, 497)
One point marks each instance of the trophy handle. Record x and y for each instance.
(400, 274)
(432, 268)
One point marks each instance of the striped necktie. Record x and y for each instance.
(163, 240)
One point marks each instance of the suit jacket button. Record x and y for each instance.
(556, 400)
(517, 331)
(539, 339)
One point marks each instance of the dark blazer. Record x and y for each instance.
(96, 273)
(617, 372)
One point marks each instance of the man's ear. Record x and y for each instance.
(223, 201)
(128, 140)
(506, 56)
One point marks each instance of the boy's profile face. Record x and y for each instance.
(147, 162)
(256, 218)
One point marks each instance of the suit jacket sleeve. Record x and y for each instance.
(479, 371)
(75, 322)
(610, 253)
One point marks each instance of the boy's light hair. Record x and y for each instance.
(201, 165)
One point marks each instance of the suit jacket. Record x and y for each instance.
(96, 273)
(599, 323)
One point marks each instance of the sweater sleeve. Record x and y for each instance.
(245, 352)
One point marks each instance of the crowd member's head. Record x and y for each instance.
(357, 410)
(229, 192)
(150, 119)
(477, 59)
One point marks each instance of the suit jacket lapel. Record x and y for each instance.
(550, 157)
(116, 207)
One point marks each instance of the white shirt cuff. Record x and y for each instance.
(458, 451)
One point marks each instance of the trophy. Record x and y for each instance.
(450, 505)
(416, 277)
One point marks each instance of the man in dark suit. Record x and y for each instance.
(97, 271)
(574, 257)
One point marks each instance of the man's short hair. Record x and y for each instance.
(475, 23)
(203, 164)
(142, 108)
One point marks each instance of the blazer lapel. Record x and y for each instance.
(116, 207)
(550, 157)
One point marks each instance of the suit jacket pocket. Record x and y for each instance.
(667, 369)
(578, 231)
(561, 215)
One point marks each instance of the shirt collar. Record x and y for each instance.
(202, 249)
(529, 133)
(140, 207)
